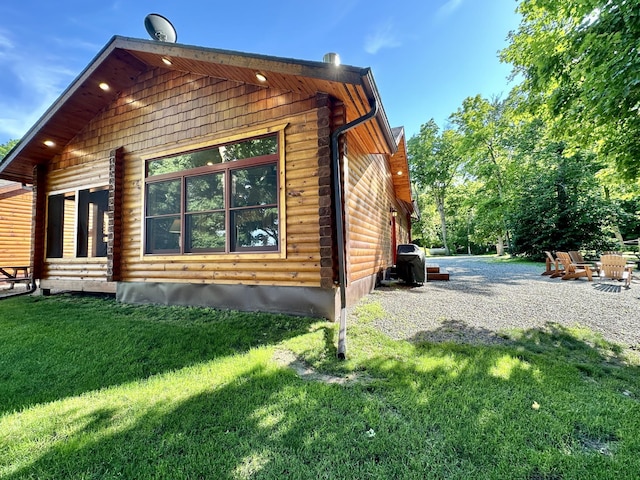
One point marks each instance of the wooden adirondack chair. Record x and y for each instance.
(576, 256)
(552, 266)
(572, 269)
(615, 267)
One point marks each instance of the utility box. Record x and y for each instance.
(410, 264)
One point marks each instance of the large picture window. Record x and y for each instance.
(220, 199)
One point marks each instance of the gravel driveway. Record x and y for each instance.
(484, 297)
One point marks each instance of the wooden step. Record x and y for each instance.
(432, 268)
(441, 275)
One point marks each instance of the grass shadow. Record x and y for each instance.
(521, 410)
(61, 346)
(458, 331)
(586, 350)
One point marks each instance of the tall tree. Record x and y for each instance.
(435, 161)
(486, 129)
(558, 206)
(580, 59)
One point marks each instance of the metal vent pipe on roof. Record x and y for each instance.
(332, 58)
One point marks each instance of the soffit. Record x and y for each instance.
(122, 60)
(400, 170)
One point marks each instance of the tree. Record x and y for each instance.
(580, 59)
(435, 160)
(486, 129)
(426, 230)
(559, 206)
(462, 218)
(6, 148)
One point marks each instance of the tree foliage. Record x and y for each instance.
(435, 161)
(560, 207)
(513, 175)
(6, 148)
(580, 60)
(486, 128)
(556, 164)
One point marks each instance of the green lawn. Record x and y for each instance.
(90, 388)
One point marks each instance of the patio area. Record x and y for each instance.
(486, 296)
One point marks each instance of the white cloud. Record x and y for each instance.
(5, 44)
(449, 8)
(75, 43)
(35, 82)
(383, 37)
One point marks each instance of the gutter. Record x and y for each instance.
(338, 198)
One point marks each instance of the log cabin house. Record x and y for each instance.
(15, 224)
(175, 174)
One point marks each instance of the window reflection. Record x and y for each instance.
(230, 203)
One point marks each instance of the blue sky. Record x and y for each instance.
(426, 55)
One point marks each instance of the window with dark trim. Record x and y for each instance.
(77, 223)
(220, 199)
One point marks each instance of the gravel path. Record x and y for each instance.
(484, 297)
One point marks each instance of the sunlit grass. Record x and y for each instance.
(79, 422)
(94, 389)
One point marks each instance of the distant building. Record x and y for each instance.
(15, 224)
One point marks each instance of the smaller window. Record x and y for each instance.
(77, 224)
(256, 229)
(205, 216)
(254, 212)
(56, 225)
(186, 161)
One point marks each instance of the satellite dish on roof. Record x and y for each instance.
(159, 28)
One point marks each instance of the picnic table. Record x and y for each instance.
(15, 274)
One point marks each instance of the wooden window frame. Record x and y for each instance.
(227, 169)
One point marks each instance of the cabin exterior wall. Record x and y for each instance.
(375, 222)
(167, 112)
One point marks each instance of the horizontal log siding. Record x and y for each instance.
(166, 109)
(15, 227)
(370, 196)
(76, 269)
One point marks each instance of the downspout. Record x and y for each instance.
(31, 287)
(337, 181)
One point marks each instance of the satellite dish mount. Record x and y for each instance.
(160, 29)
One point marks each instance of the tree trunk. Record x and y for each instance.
(509, 242)
(500, 246)
(443, 224)
(618, 235)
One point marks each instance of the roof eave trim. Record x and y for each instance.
(288, 66)
(371, 90)
(60, 101)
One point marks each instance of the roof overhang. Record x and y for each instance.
(399, 164)
(122, 60)
(11, 189)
